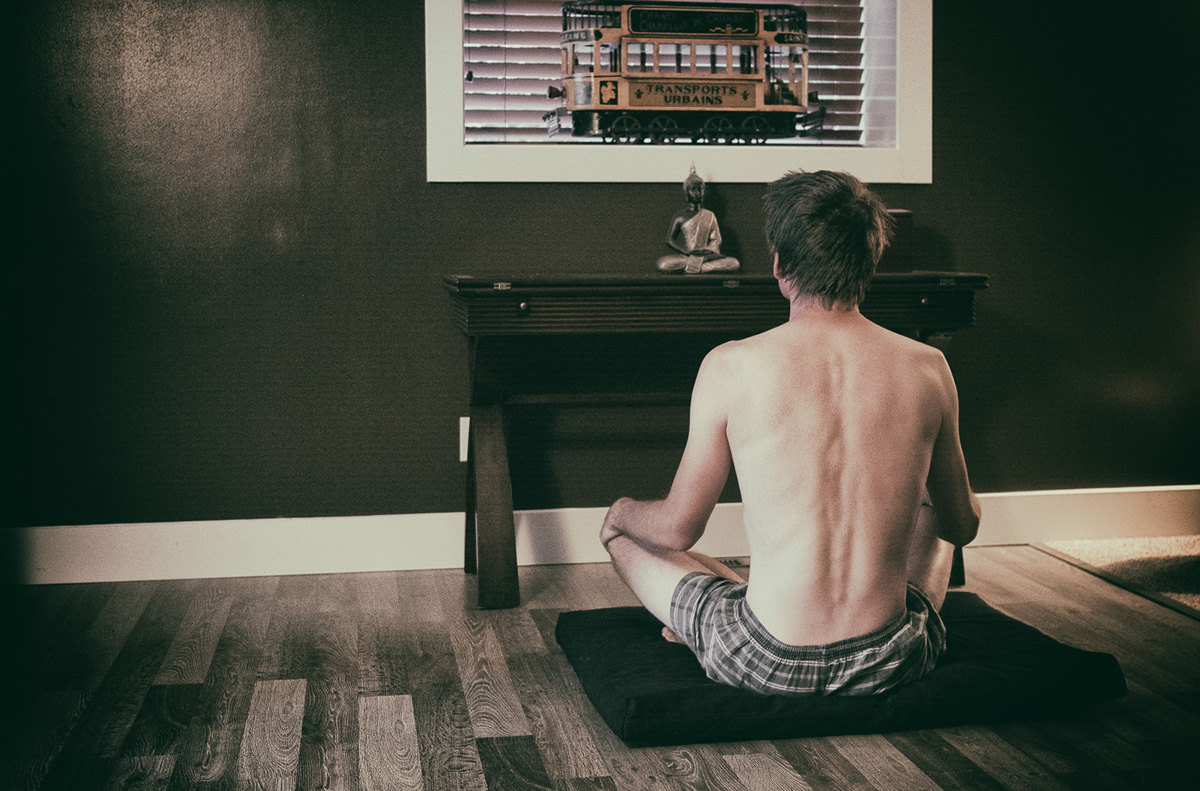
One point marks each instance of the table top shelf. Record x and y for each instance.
(910, 302)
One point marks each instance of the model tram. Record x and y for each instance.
(664, 72)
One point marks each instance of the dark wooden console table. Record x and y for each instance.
(623, 340)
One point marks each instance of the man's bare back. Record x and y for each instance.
(838, 430)
(831, 422)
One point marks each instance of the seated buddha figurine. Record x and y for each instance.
(695, 237)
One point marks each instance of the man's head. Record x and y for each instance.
(828, 232)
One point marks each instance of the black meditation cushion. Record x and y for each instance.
(995, 669)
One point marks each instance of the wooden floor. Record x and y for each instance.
(396, 680)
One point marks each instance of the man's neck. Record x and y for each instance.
(808, 308)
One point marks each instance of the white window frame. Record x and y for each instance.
(450, 159)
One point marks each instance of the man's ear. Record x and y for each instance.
(785, 285)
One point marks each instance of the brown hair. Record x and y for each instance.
(829, 231)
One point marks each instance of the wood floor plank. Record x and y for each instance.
(585, 784)
(146, 773)
(636, 769)
(304, 606)
(378, 591)
(1172, 765)
(1122, 720)
(287, 606)
(764, 771)
(1087, 612)
(603, 587)
(1064, 745)
(143, 773)
(1108, 600)
(1143, 660)
(491, 699)
(987, 578)
(1075, 576)
(546, 621)
(822, 766)
(75, 771)
(324, 651)
(1146, 714)
(389, 754)
(329, 749)
(456, 592)
(1113, 607)
(449, 755)
(1190, 700)
(591, 585)
(53, 622)
(113, 707)
(945, 765)
(84, 665)
(330, 593)
(1056, 756)
(567, 749)
(699, 767)
(44, 730)
(422, 595)
(100, 720)
(208, 756)
(270, 751)
(162, 723)
(515, 631)
(36, 608)
(398, 658)
(542, 587)
(513, 762)
(882, 764)
(1121, 781)
(630, 769)
(1012, 768)
(191, 651)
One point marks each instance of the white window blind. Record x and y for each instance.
(511, 56)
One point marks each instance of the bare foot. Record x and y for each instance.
(670, 636)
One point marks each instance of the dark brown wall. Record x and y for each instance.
(225, 273)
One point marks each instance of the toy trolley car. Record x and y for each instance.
(662, 72)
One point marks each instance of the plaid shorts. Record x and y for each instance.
(710, 615)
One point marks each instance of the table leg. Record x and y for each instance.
(495, 540)
(470, 551)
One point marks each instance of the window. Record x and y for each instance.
(674, 58)
(869, 66)
(712, 58)
(641, 57)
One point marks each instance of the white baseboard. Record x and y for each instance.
(240, 548)
(258, 547)
(1126, 512)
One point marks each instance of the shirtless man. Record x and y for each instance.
(855, 492)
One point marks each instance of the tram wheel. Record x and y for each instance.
(717, 129)
(663, 129)
(755, 129)
(624, 129)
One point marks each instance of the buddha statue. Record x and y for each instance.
(695, 236)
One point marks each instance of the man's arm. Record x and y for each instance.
(677, 522)
(956, 506)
